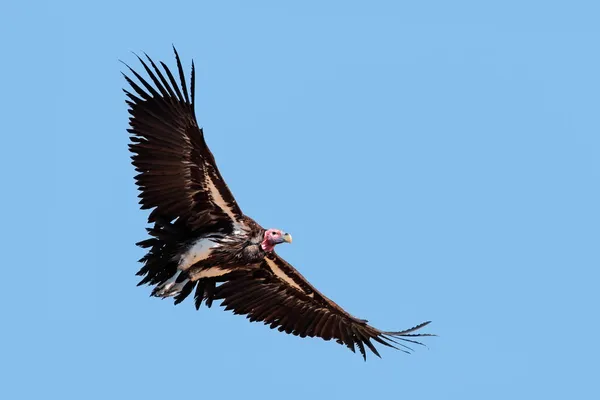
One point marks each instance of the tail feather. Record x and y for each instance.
(160, 265)
(185, 291)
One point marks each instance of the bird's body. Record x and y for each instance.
(201, 242)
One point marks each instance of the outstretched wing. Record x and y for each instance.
(178, 176)
(277, 294)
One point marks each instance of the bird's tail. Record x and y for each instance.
(160, 264)
(160, 267)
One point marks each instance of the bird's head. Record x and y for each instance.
(273, 237)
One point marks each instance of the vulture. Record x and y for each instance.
(199, 240)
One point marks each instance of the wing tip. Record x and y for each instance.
(408, 332)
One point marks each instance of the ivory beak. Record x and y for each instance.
(287, 238)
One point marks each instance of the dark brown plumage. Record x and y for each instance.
(201, 242)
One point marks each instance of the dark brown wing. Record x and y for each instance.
(178, 176)
(277, 294)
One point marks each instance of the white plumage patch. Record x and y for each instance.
(197, 252)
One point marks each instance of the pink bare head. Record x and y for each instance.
(273, 237)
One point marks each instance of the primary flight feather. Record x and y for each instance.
(201, 241)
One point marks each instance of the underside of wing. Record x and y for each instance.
(278, 295)
(177, 173)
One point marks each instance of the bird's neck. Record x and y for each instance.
(266, 245)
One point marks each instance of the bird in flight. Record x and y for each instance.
(200, 240)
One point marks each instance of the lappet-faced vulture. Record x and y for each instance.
(201, 241)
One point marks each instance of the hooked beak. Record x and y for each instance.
(287, 238)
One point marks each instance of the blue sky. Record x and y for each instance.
(453, 147)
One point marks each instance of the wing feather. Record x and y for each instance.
(177, 173)
(180, 183)
(278, 295)
(181, 77)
